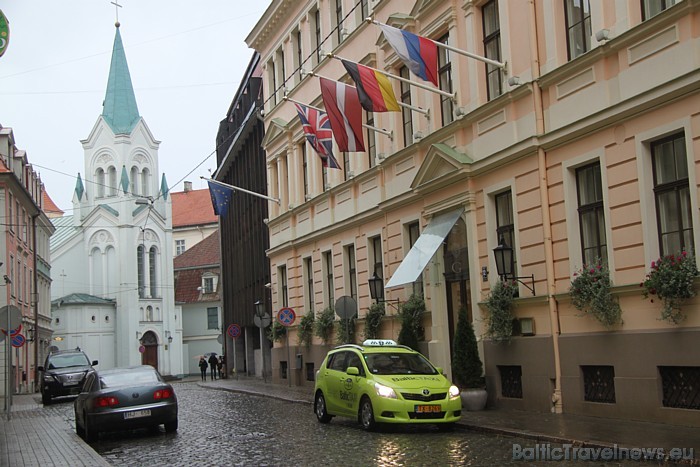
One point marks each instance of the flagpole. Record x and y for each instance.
(388, 133)
(453, 49)
(398, 78)
(235, 188)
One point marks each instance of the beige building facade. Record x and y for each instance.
(583, 146)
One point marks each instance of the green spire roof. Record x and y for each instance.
(164, 187)
(79, 189)
(120, 110)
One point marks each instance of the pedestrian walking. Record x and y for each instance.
(220, 366)
(213, 363)
(203, 367)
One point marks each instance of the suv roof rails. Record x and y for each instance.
(349, 346)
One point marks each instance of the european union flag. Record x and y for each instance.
(220, 198)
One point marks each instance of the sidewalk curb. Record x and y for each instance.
(254, 393)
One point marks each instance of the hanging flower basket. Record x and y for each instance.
(590, 293)
(672, 280)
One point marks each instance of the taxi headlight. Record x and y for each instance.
(384, 391)
(454, 391)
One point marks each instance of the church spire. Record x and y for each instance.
(120, 110)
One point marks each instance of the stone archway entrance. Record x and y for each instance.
(150, 355)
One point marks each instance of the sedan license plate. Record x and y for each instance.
(428, 408)
(137, 414)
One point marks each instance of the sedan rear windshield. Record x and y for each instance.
(398, 364)
(132, 378)
(67, 361)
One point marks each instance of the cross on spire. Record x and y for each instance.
(117, 6)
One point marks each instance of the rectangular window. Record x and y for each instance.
(413, 234)
(273, 82)
(19, 280)
(179, 247)
(652, 8)
(140, 264)
(208, 286)
(213, 318)
(406, 115)
(599, 383)
(511, 381)
(376, 256)
(12, 276)
(445, 79)
(328, 269)
(305, 168)
(505, 227)
(371, 140)
(492, 48)
(339, 20)
(680, 386)
(578, 27)
(316, 28)
(346, 166)
(9, 218)
(25, 221)
(590, 214)
(298, 54)
(309, 269)
(283, 73)
(364, 8)
(284, 298)
(351, 271)
(672, 194)
(324, 178)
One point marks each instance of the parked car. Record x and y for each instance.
(124, 399)
(382, 382)
(63, 373)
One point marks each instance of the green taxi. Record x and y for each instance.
(382, 382)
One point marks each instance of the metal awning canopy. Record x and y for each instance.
(425, 247)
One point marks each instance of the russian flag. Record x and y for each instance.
(418, 53)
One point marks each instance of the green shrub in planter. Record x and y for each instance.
(324, 325)
(590, 293)
(373, 320)
(466, 363)
(305, 331)
(499, 304)
(276, 331)
(672, 279)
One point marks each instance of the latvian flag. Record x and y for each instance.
(344, 109)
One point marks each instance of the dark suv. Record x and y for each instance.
(64, 373)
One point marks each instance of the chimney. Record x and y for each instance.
(188, 186)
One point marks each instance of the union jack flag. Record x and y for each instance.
(317, 128)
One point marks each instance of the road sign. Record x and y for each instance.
(18, 340)
(234, 331)
(262, 321)
(13, 332)
(286, 316)
(15, 318)
(142, 348)
(346, 307)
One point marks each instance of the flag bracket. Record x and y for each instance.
(235, 188)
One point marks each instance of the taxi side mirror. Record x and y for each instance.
(353, 371)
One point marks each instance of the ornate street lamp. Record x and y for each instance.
(503, 254)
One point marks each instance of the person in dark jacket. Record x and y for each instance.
(213, 364)
(203, 367)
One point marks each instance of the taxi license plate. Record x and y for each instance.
(428, 408)
(137, 414)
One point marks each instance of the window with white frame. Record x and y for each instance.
(591, 217)
(492, 48)
(179, 247)
(445, 79)
(309, 273)
(316, 31)
(406, 115)
(672, 194)
(304, 167)
(351, 271)
(652, 8)
(328, 273)
(505, 226)
(338, 20)
(208, 285)
(376, 263)
(297, 46)
(578, 27)
(212, 318)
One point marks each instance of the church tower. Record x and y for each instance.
(119, 251)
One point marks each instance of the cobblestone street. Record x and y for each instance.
(226, 428)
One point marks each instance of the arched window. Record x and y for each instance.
(100, 181)
(152, 254)
(132, 180)
(141, 276)
(149, 313)
(112, 181)
(145, 176)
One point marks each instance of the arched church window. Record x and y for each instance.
(152, 254)
(145, 176)
(132, 180)
(100, 181)
(140, 253)
(149, 313)
(112, 181)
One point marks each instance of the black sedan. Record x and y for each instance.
(124, 399)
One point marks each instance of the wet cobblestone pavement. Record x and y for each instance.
(226, 428)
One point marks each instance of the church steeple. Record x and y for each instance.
(120, 110)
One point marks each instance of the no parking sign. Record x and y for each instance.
(234, 331)
(286, 316)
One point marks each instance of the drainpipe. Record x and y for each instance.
(34, 299)
(544, 201)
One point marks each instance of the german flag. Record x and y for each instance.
(373, 88)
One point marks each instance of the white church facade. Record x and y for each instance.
(112, 260)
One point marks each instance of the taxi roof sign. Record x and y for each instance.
(378, 342)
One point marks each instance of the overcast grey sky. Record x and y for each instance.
(186, 61)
